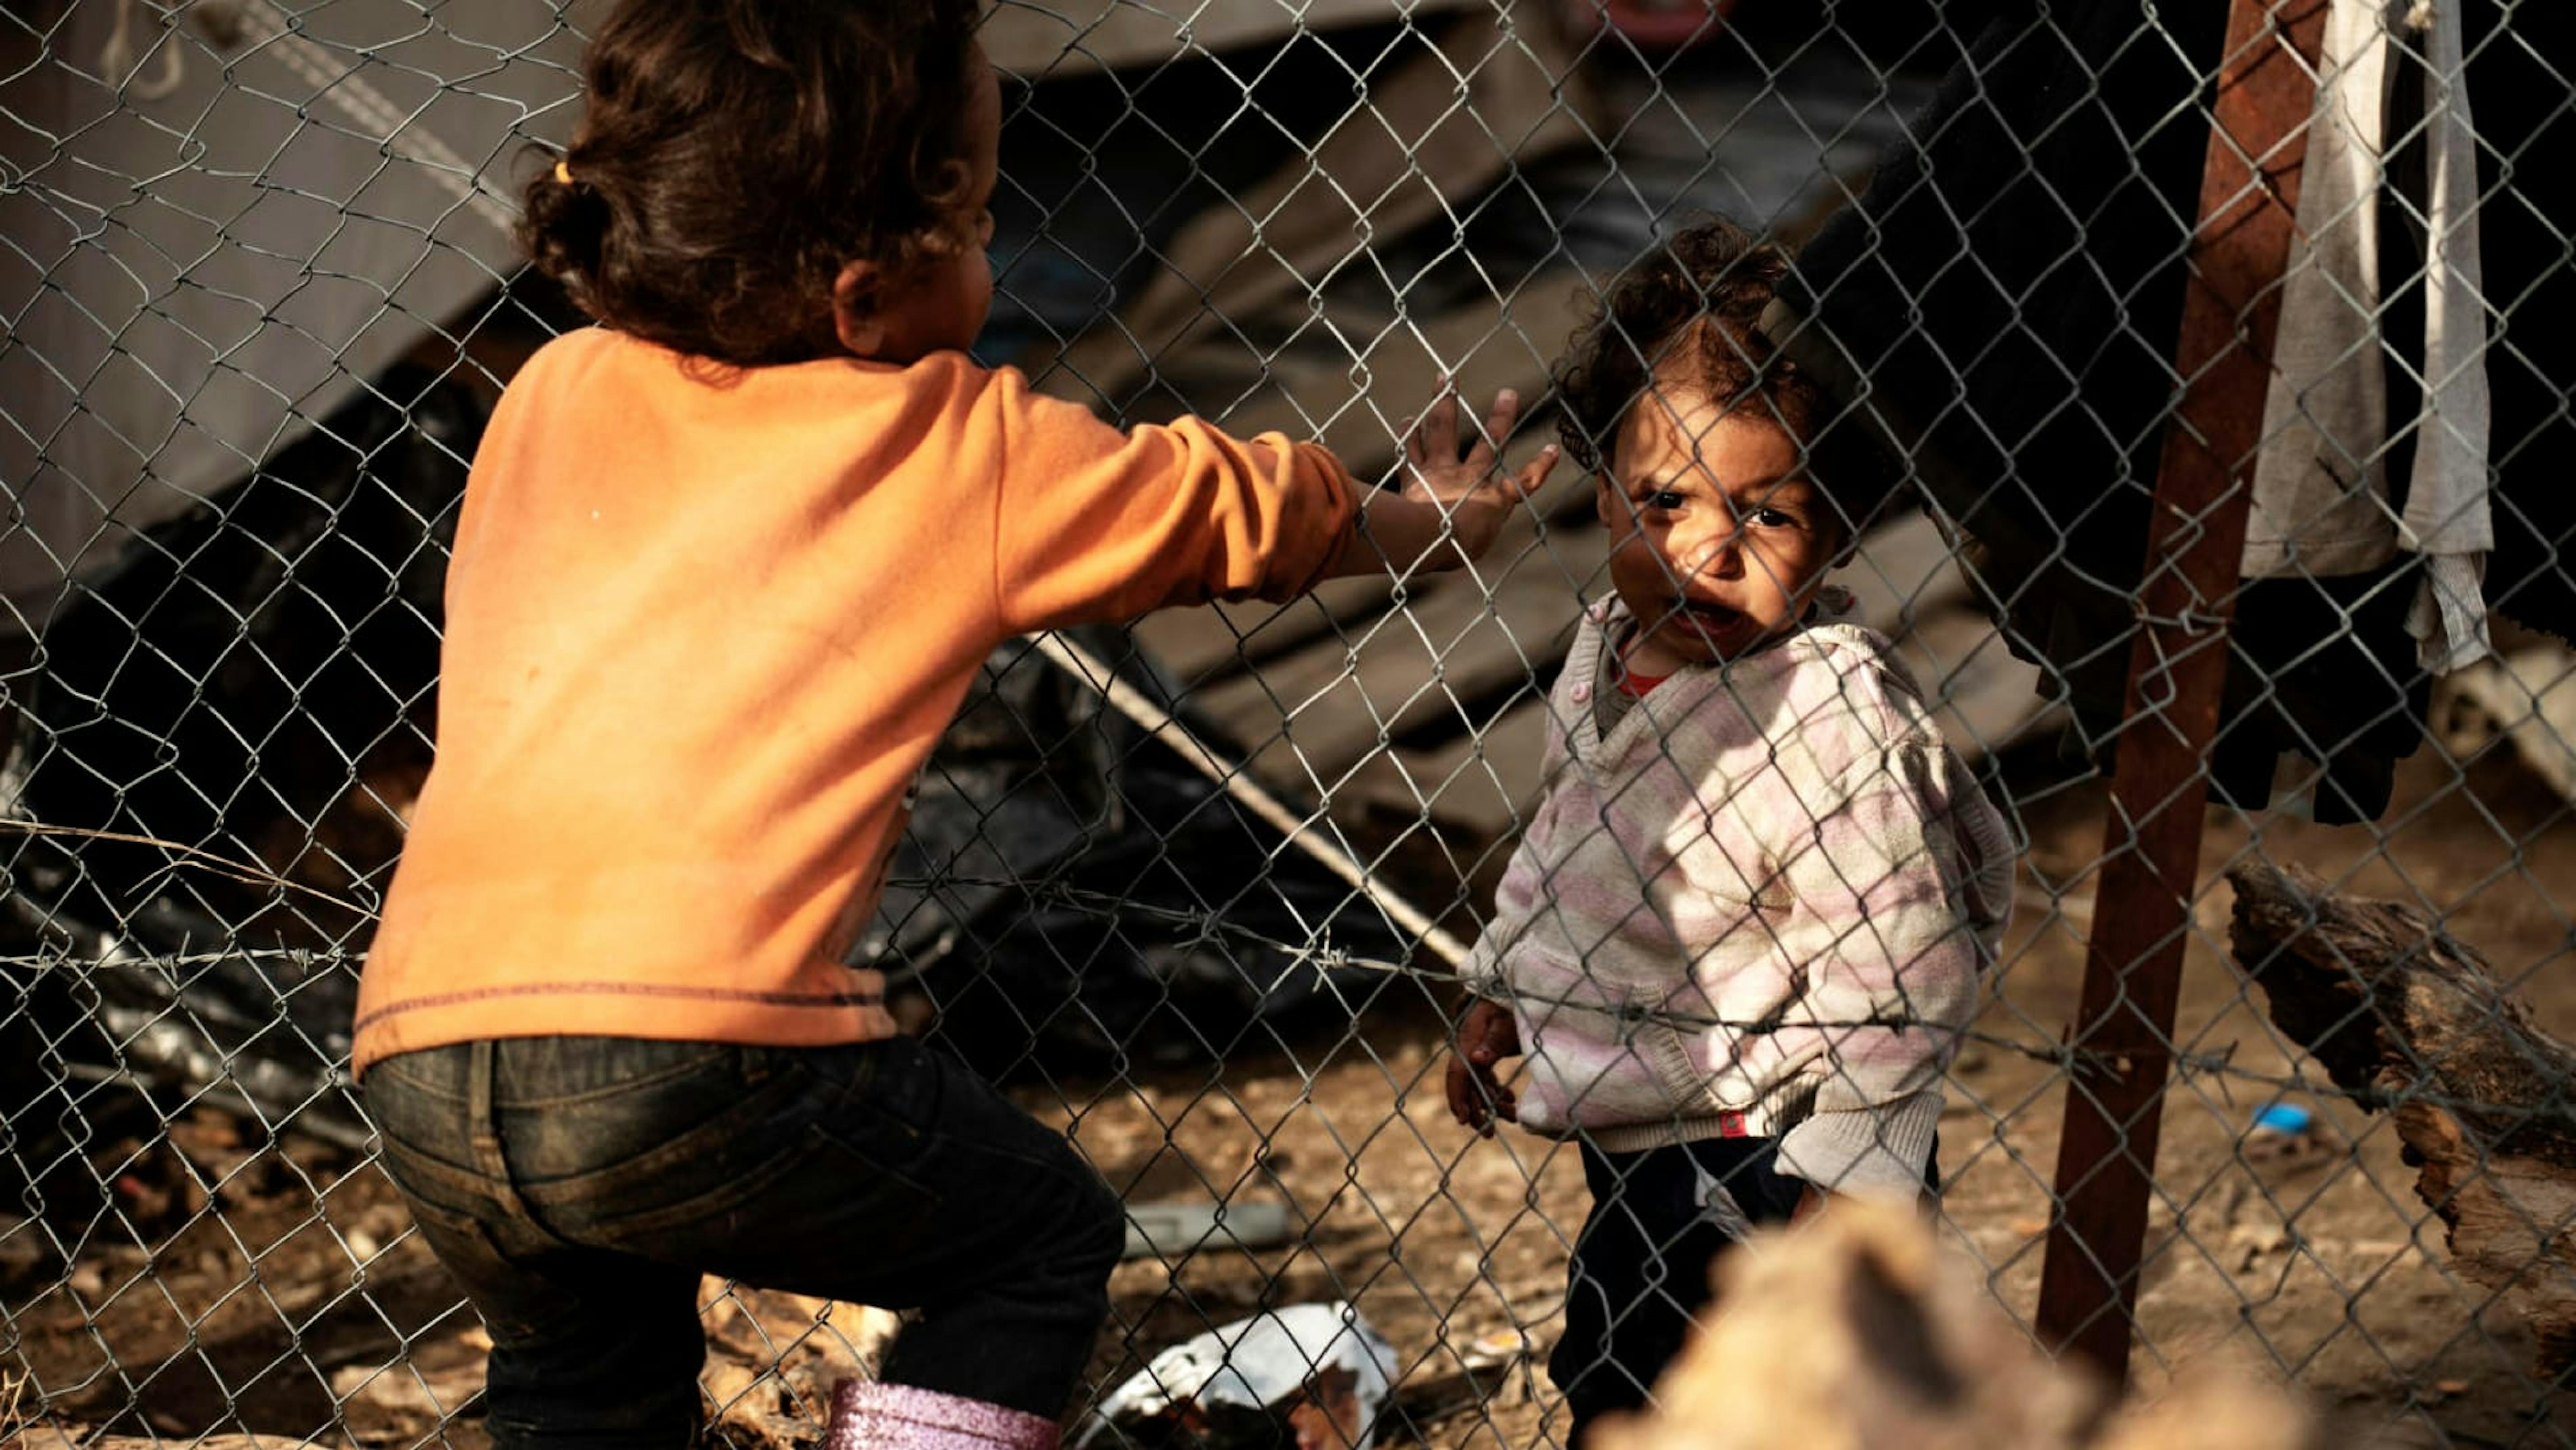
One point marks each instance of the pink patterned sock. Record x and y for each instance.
(873, 1415)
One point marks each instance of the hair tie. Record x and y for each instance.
(563, 173)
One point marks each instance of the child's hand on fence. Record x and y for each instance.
(1486, 1035)
(1472, 489)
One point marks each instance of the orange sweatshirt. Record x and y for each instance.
(702, 632)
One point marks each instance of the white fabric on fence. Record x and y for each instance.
(2320, 485)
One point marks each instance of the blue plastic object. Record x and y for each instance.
(2284, 1118)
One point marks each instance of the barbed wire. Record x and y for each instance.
(1208, 927)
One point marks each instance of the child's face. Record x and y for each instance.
(943, 305)
(1717, 543)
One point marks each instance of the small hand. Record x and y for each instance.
(1476, 496)
(1486, 1035)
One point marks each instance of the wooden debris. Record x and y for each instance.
(1859, 1331)
(2407, 1019)
(1418, 151)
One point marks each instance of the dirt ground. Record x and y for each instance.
(2329, 1274)
(282, 1296)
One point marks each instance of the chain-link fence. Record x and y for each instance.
(1197, 891)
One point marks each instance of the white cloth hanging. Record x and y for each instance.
(2320, 484)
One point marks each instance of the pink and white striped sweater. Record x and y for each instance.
(1760, 906)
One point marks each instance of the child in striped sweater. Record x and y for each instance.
(1744, 928)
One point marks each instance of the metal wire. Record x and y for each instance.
(1201, 891)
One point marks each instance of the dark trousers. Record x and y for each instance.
(578, 1187)
(1640, 1269)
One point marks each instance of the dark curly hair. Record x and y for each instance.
(1688, 314)
(737, 154)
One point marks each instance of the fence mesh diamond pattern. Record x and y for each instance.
(2283, 989)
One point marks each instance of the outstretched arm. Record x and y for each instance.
(1453, 505)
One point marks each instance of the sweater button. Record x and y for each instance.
(1582, 694)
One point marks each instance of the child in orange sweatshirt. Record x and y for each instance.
(726, 566)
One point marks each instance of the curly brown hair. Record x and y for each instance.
(1688, 314)
(737, 154)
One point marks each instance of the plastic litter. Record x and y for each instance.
(2283, 1136)
(2284, 1118)
(1310, 1375)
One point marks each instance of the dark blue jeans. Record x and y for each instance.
(1639, 1274)
(578, 1187)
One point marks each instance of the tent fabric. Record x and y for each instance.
(222, 228)
(1998, 312)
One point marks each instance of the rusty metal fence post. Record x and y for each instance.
(2121, 1046)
